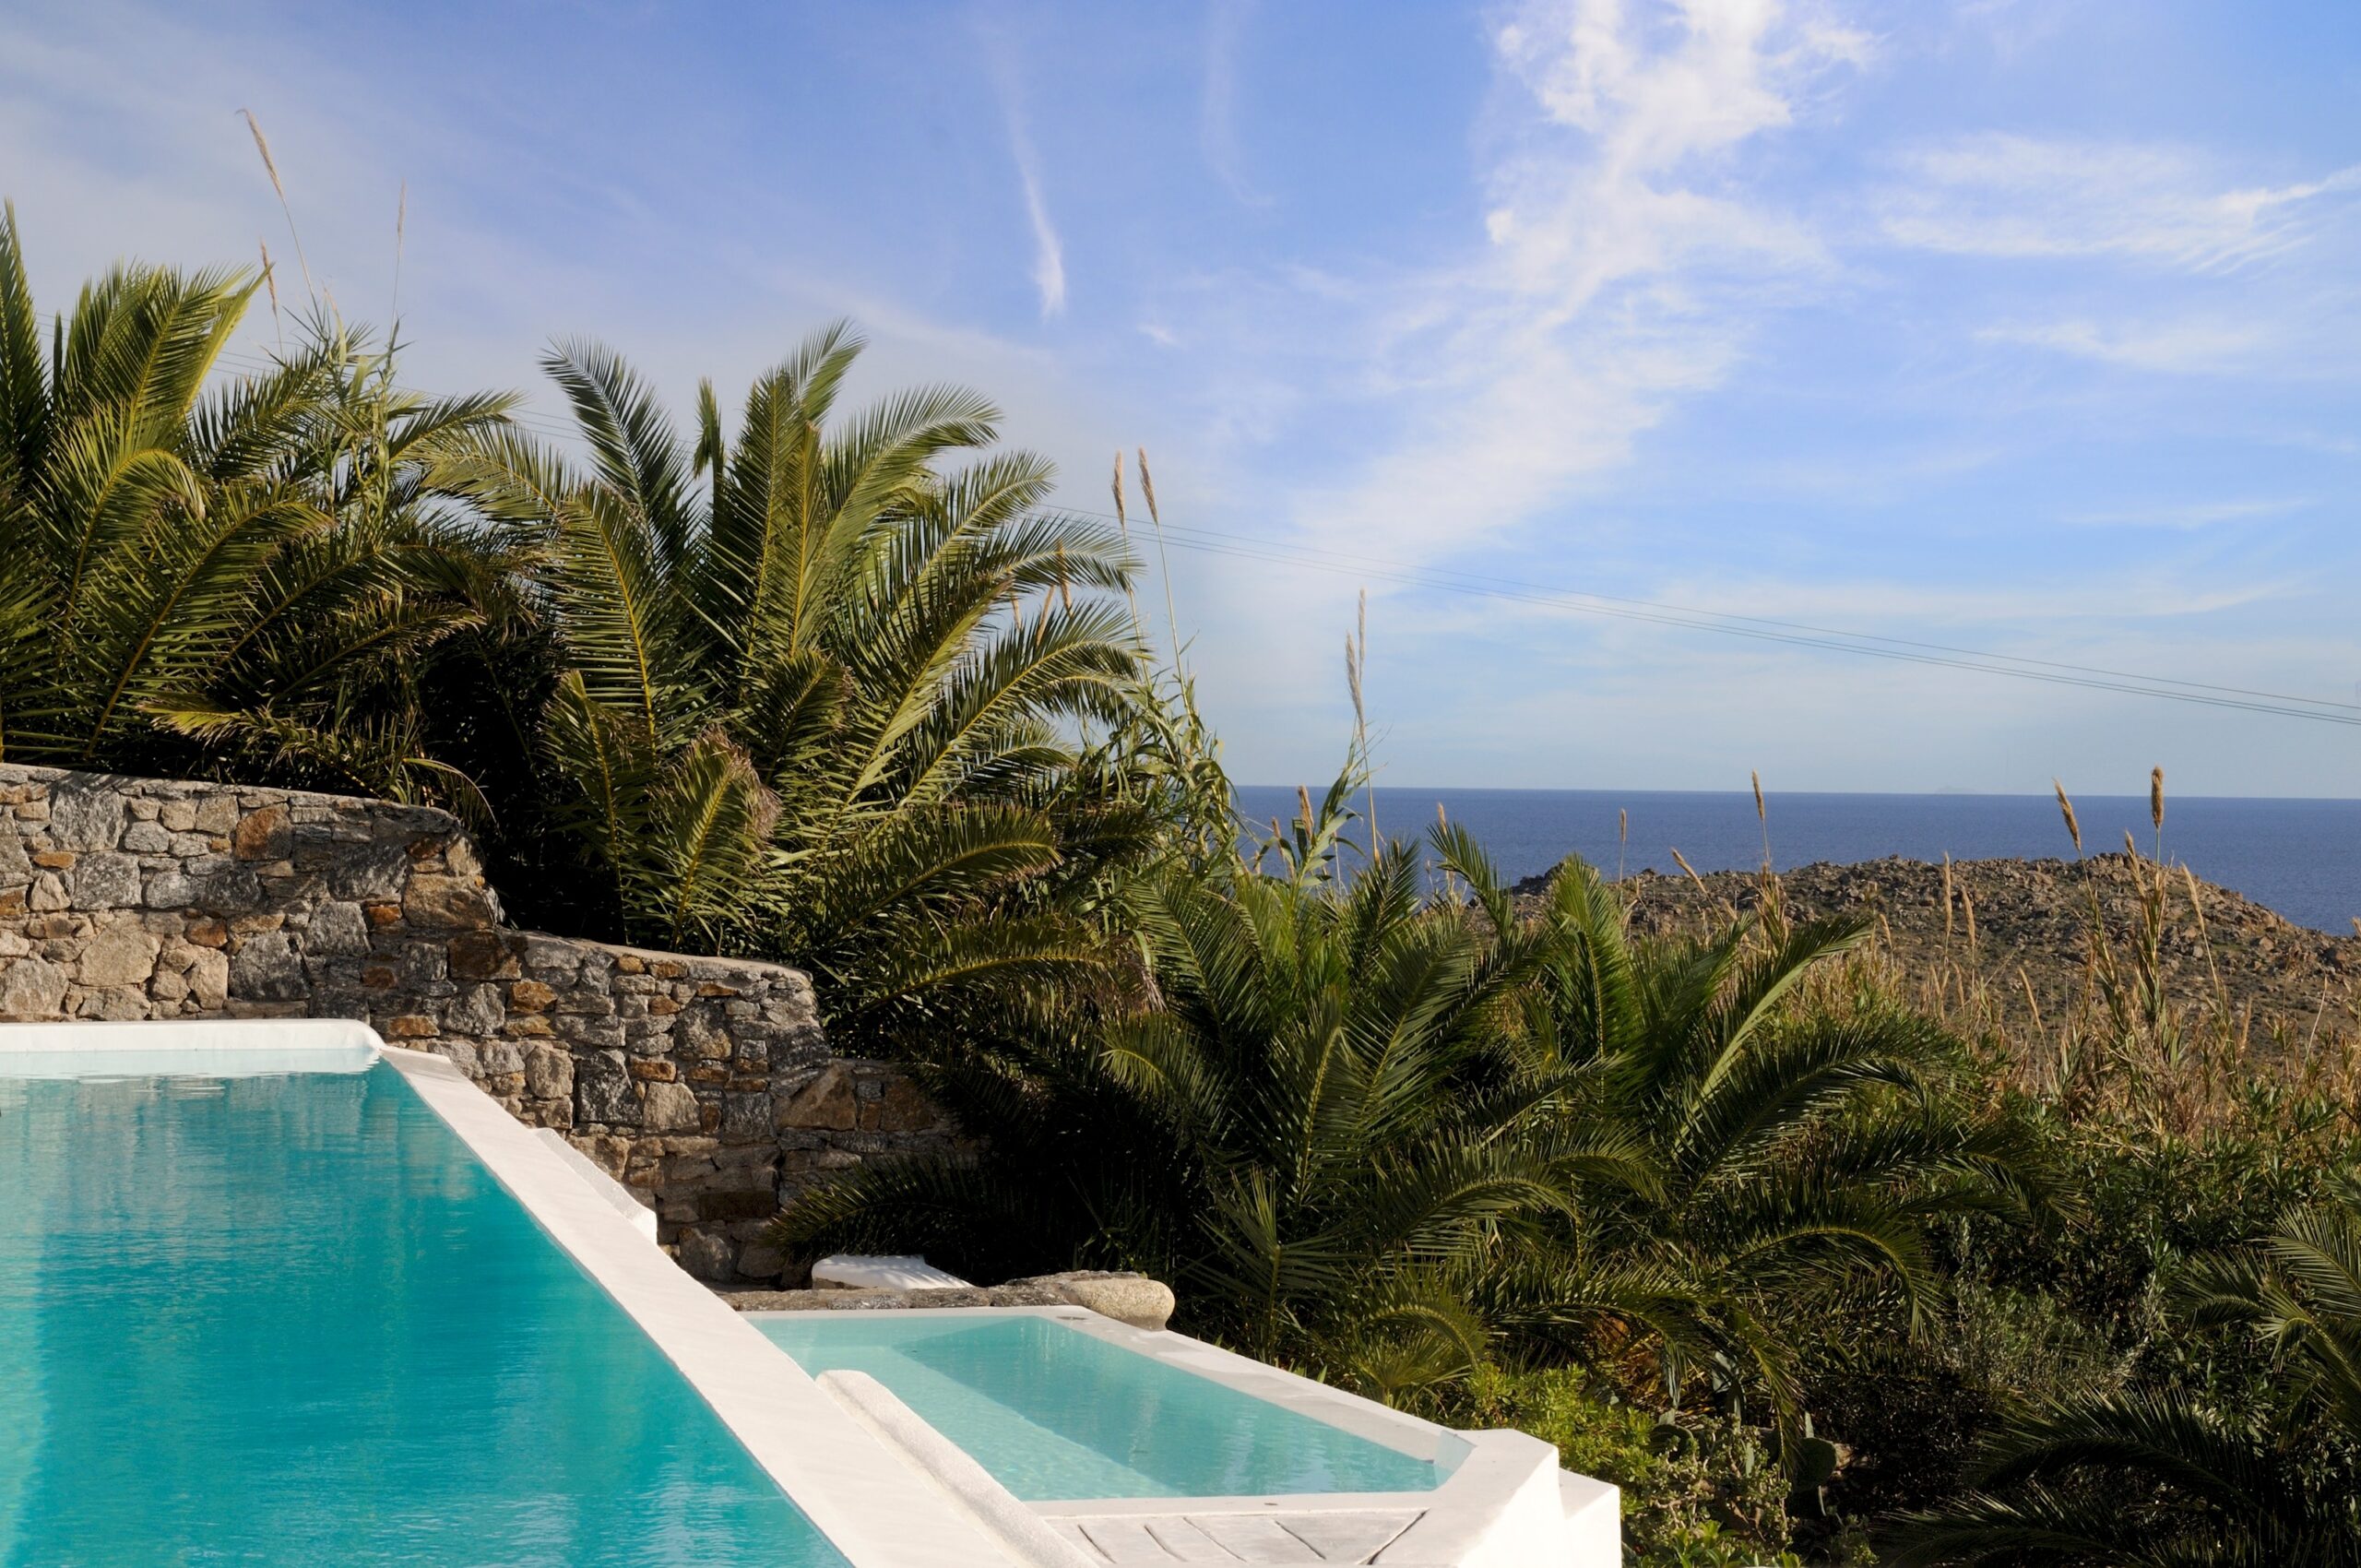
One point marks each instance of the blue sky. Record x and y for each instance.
(2027, 326)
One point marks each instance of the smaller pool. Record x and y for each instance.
(1056, 1414)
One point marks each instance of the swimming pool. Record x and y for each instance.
(288, 1318)
(1056, 1413)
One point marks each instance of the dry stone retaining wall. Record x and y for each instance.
(704, 1083)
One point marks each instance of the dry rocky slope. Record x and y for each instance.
(2032, 924)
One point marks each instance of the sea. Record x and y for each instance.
(2301, 858)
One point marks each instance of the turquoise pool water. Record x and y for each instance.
(293, 1321)
(1054, 1414)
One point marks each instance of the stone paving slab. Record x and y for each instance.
(1343, 1536)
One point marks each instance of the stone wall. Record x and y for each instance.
(704, 1083)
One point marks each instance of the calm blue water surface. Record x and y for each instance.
(1053, 1413)
(291, 1321)
(2300, 858)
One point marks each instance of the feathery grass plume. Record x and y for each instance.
(2156, 806)
(1967, 912)
(270, 286)
(401, 228)
(1356, 664)
(1623, 841)
(2033, 1005)
(1163, 562)
(1762, 818)
(2206, 940)
(1682, 862)
(270, 167)
(1123, 526)
(2066, 809)
(1303, 806)
(1947, 896)
(1450, 879)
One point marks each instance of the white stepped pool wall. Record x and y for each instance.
(869, 1505)
(1505, 1503)
(1503, 1500)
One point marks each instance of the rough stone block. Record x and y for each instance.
(826, 1104)
(744, 1202)
(337, 929)
(266, 968)
(745, 1118)
(602, 1090)
(478, 1010)
(171, 890)
(31, 988)
(48, 894)
(369, 873)
(104, 881)
(548, 1073)
(447, 903)
(670, 1107)
(760, 1260)
(483, 954)
(87, 812)
(706, 1255)
(208, 977)
(118, 955)
(146, 838)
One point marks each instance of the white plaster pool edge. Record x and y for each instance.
(993, 1505)
(1504, 1502)
(866, 1500)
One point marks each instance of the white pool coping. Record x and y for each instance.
(870, 1506)
(1503, 1503)
(1503, 1500)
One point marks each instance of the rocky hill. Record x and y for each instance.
(2025, 925)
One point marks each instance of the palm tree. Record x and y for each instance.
(1315, 1136)
(816, 695)
(204, 571)
(1798, 1154)
(2165, 1476)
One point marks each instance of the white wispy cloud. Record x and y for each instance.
(2192, 515)
(1049, 251)
(2179, 348)
(1623, 268)
(1218, 114)
(2009, 195)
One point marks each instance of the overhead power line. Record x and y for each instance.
(1211, 541)
(1835, 639)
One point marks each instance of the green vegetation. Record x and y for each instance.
(1822, 1260)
